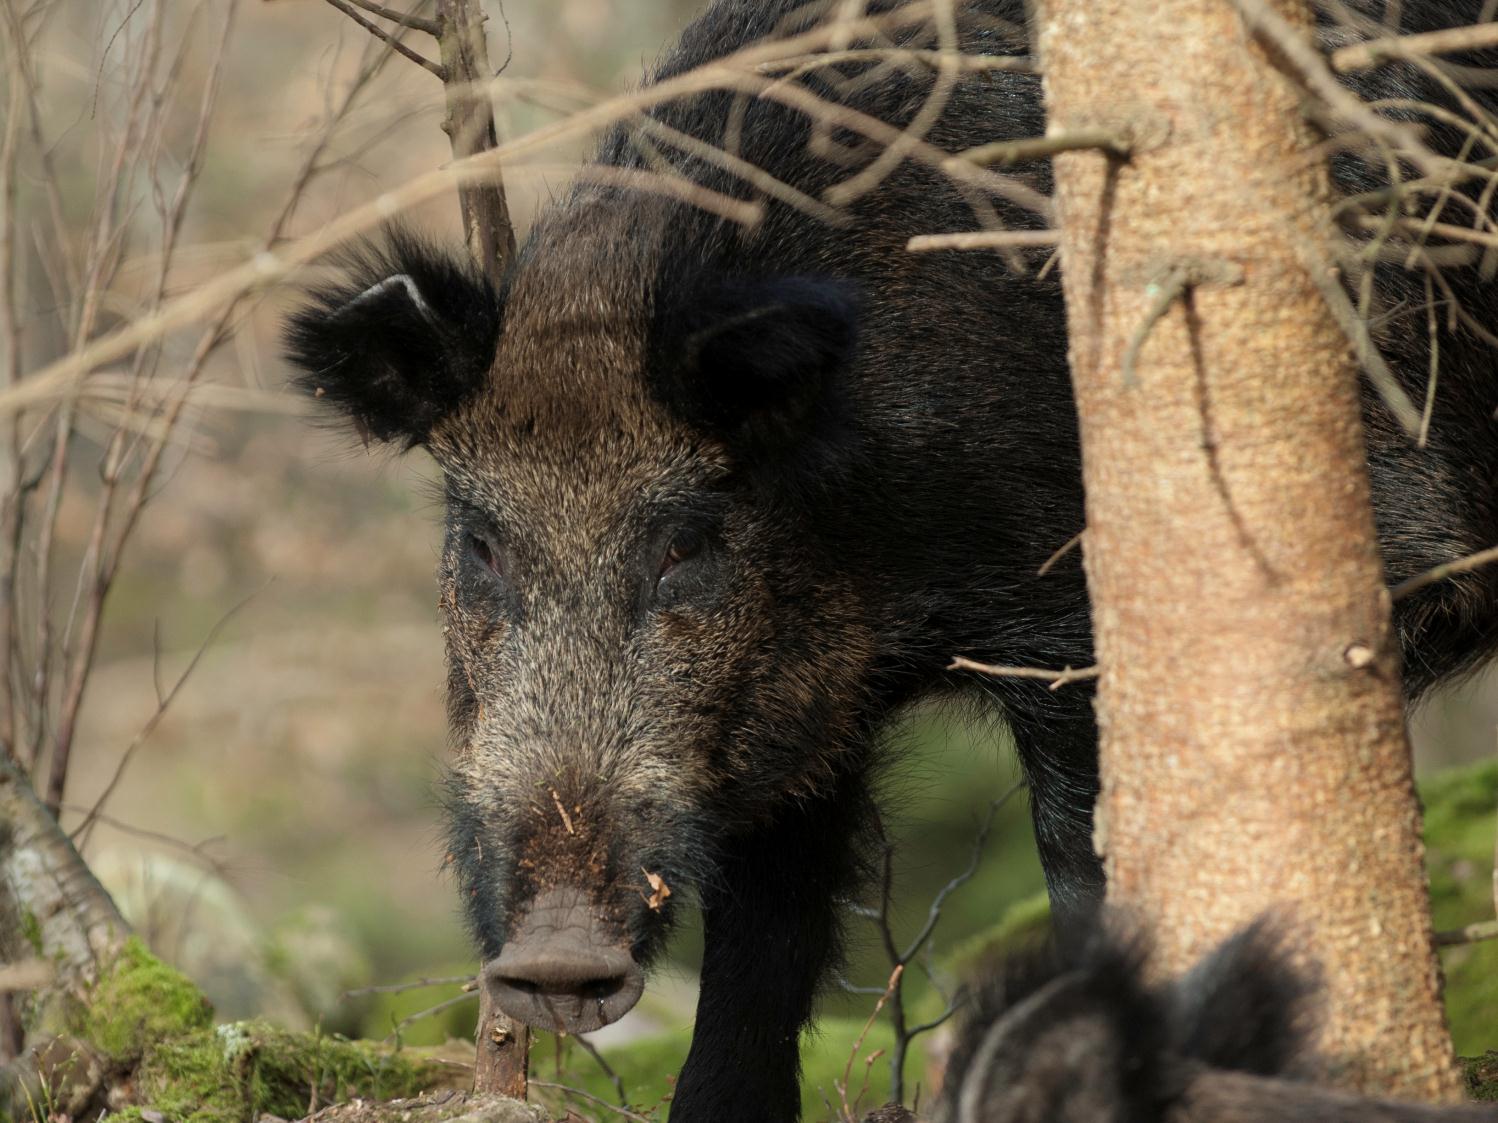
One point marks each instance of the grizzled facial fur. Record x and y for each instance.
(625, 599)
(1084, 1039)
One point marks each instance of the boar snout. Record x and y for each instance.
(564, 969)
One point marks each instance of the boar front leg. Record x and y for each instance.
(771, 931)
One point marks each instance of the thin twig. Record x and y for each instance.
(1004, 152)
(155, 719)
(415, 984)
(890, 988)
(380, 33)
(982, 240)
(1355, 328)
(591, 1098)
(1296, 49)
(1163, 294)
(893, 152)
(1057, 679)
(1442, 572)
(608, 1070)
(405, 19)
(1448, 40)
(1470, 934)
(1061, 551)
(430, 1011)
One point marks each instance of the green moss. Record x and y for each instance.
(647, 1068)
(1461, 815)
(232, 1073)
(31, 928)
(138, 1002)
(1023, 924)
(1481, 1074)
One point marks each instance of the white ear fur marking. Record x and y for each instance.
(406, 282)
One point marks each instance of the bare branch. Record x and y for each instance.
(982, 240)
(469, 125)
(1316, 75)
(1014, 64)
(898, 147)
(608, 1070)
(345, 6)
(405, 19)
(1444, 571)
(1470, 934)
(1061, 551)
(155, 719)
(591, 1098)
(1448, 40)
(468, 982)
(1003, 152)
(1369, 358)
(1057, 679)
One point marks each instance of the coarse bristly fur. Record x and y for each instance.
(721, 502)
(1082, 1037)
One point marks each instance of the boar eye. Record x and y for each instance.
(675, 577)
(685, 545)
(487, 555)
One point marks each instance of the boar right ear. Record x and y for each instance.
(400, 342)
(759, 362)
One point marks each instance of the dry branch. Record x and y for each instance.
(736, 72)
(982, 240)
(1443, 572)
(1057, 679)
(469, 125)
(1359, 56)
(1003, 152)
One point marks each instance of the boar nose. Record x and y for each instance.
(562, 968)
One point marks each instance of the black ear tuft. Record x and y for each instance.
(1244, 1008)
(758, 362)
(400, 341)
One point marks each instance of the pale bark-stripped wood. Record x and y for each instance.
(469, 125)
(1254, 754)
(503, 1044)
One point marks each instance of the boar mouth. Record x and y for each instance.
(564, 968)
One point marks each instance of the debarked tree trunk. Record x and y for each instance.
(1254, 754)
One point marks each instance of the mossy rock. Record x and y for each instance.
(139, 1001)
(1481, 1076)
(238, 1071)
(151, 1036)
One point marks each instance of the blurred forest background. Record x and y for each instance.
(276, 835)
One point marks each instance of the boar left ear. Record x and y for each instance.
(759, 363)
(404, 338)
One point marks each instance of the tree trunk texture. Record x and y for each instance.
(1254, 754)
(51, 905)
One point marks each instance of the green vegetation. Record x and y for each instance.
(1461, 818)
(233, 1073)
(149, 1026)
(141, 1000)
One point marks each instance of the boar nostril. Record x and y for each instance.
(563, 969)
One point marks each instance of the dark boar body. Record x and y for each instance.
(722, 500)
(1082, 1038)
